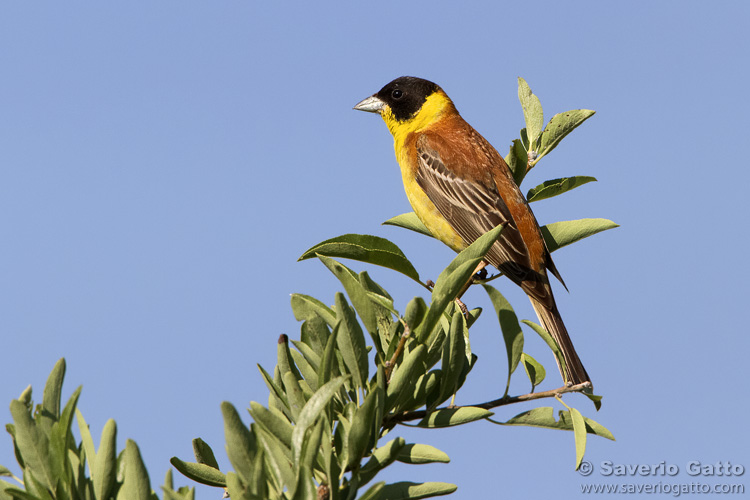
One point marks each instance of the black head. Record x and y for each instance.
(405, 95)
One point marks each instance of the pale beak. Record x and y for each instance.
(372, 105)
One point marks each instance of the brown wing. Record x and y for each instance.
(473, 208)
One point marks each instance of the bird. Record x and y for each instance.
(460, 187)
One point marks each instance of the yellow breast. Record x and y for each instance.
(404, 142)
(423, 207)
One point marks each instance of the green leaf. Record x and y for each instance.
(351, 342)
(512, 333)
(363, 430)
(544, 417)
(136, 484)
(314, 333)
(597, 400)
(454, 357)
(403, 376)
(532, 113)
(309, 382)
(204, 454)
(579, 431)
(284, 358)
(294, 394)
(421, 454)
(409, 221)
(449, 417)
(381, 458)
(550, 341)
(560, 234)
(373, 493)
(326, 372)
(357, 293)
(554, 187)
(33, 443)
(279, 459)
(534, 370)
(517, 161)
(201, 473)
(277, 394)
(365, 248)
(59, 437)
(104, 474)
(311, 445)
(453, 278)
(305, 307)
(16, 494)
(241, 443)
(52, 393)
(272, 422)
(305, 488)
(561, 125)
(408, 490)
(415, 312)
(314, 406)
(87, 442)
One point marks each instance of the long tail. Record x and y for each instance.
(574, 371)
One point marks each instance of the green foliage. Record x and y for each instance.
(56, 467)
(359, 369)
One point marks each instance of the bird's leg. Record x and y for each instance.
(459, 303)
(480, 276)
(480, 268)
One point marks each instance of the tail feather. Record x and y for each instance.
(574, 372)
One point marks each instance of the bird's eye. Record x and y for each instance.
(397, 94)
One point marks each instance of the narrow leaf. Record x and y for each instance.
(421, 454)
(52, 392)
(454, 277)
(241, 443)
(560, 234)
(381, 458)
(314, 406)
(33, 443)
(204, 454)
(104, 473)
(408, 490)
(449, 417)
(305, 307)
(87, 442)
(454, 356)
(404, 375)
(326, 372)
(363, 430)
(550, 341)
(365, 248)
(201, 473)
(534, 370)
(517, 160)
(561, 125)
(357, 293)
(579, 431)
(544, 417)
(554, 187)
(136, 484)
(351, 342)
(512, 333)
(373, 493)
(409, 221)
(532, 112)
(272, 422)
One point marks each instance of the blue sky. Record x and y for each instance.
(163, 165)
